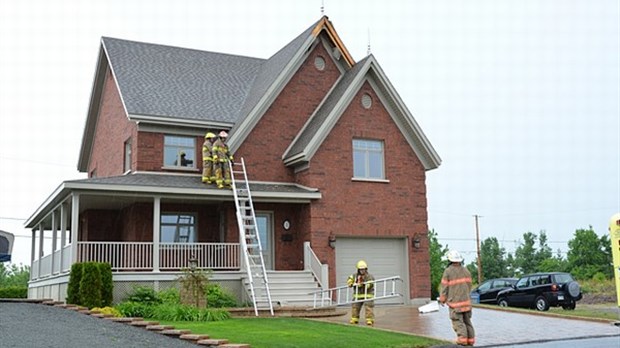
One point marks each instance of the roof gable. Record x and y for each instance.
(318, 127)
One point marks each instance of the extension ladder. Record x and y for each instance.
(249, 239)
(384, 288)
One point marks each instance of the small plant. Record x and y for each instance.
(194, 284)
(108, 311)
(135, 309)
(14, 292)
(218, 297)
(170, 296)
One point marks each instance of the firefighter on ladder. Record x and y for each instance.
(363, 292)
(455, 291)
(221, 157)
(208, 176)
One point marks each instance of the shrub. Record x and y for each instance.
(135, 309)
(107, 284)
(73, 288)
(169, 296)
(90, 285)
(218, 297)
(145, 295)
(14, 292)
(181, 312)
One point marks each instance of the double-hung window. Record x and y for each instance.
(368, 159)
(178, 228)
(179, 151)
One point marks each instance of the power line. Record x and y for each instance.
(11, 218)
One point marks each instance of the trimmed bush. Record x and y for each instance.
(73, 288)
(107, 285)
(90, 285)
(218, 297)
(144, 294)
(135, 309)
(14, 292)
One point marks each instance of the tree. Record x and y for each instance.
(492, 259)
(544, 251)
(525, 259)
(588, 254)
(436, 253)
(555, 263)
(14, 275)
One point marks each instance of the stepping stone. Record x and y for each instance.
(234, 345)
(141, 323)
(193, 337)
(175, 332)
(159, 327)
(212, 342)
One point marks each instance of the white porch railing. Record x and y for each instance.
(319, 270)
(138, 256)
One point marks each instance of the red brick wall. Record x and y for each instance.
(285, 118)
(371, 209)
(113, 129)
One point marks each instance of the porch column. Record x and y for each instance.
(41, 235)
(54, 236)
(63, 233)
(75, 218)
(156, 231)
(32, 250)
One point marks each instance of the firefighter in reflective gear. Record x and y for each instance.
(208, 176)
(363, 292)
(221, 157)
(455, 292)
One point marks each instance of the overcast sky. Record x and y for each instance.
(520, 98)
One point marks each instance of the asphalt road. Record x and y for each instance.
(34, 325)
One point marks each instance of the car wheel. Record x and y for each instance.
(502, 302)
(542, 304)
(574, 289)
(570, 306)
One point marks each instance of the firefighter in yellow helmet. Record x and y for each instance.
(221, 157)
(455, 292)
(207, 158)
(363, 293)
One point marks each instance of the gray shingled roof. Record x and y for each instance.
(175, 82)
(185, 182)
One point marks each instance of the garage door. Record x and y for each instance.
(386, 257)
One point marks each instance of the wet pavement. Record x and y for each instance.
(493, 327)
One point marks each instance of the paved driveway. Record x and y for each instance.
(493, 327)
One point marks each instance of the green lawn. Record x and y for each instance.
(300, 333)
(608, 311)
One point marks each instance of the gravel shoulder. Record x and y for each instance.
(35, 325)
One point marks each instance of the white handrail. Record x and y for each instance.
(319, 270)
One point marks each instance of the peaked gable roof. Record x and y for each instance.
(319, 125)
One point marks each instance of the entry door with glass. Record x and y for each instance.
(264, 222)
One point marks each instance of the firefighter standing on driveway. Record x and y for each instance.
(221, 157)
(363, 291)
(455, 291)
(208, 176)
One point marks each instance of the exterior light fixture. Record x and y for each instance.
(332, 241)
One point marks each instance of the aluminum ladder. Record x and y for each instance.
(249, 238)
(384, 288)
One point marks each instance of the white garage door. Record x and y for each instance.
(386, 257)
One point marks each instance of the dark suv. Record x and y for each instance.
(542, 290)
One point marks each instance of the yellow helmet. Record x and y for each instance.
(361, 264)
(209, 135)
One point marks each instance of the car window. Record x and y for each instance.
(522, 283)
(501, 284)
(563, 278)
(485, 286)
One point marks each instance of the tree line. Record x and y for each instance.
(589, 256)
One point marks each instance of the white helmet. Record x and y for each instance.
(454, 256)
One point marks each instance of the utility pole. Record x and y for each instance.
(478, 250)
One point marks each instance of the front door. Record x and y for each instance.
(264, 223)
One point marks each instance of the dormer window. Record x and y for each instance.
(179, 151)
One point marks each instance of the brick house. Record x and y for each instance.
(335, 160)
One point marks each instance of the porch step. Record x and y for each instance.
(288, 288)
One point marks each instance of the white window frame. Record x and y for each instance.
(365, 151)
(127, 157)
(179, 227)
(176, 144)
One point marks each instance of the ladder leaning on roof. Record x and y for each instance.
(250, 239)
(384, 288)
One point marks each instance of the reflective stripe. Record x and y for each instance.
(445, 282)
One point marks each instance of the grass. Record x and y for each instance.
(301, 333)
(606, 311)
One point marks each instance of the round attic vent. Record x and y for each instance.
(319, 63)
(366, 101)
